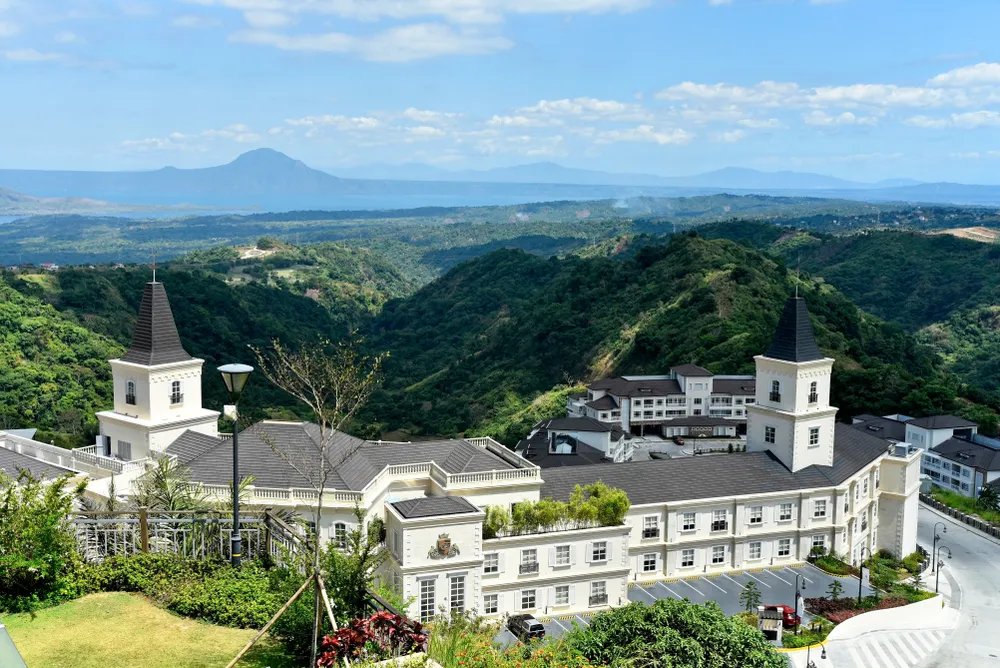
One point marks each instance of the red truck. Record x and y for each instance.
(788, 617)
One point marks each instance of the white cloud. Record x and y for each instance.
(8, 29)
(178, 141)
(266, 19)
(429, 117)
(966, 121)
(760, 123)
(973, 75)
(33, 56)
(400, 44)
(867, 157)
(522, 121)
(337, 121)
(66, 37)
(425, 132)
(765, 93)
(194, 21)
(138, 9)
(881, 95)
(587, 108)
(821, 118)
(732, 136)
(976, 155)
(644, 133)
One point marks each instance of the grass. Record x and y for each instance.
(965, 504)
(119, 630)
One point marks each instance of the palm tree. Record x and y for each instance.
(989, 499)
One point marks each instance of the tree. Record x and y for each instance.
(989, 499)
(750, 596)
(334, 380)
(835, 589)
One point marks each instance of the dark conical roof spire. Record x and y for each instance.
(794, 340)
(155, 340)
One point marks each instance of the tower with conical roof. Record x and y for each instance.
(792, 416)
(157, 387)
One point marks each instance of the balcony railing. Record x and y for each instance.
(651, 533)
(176, 399)
(720, 525)
(813, 398)
(529, 568)
(599, 599)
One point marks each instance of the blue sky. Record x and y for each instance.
(862, 89)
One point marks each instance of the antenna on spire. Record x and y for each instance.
(798, 262)
(154, 266)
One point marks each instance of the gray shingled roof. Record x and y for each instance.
(881, 427)
(607, 402)
(738, 386)
(794, 340)
(621, 387)
(716, 476)
(432, 506)
(691, 370)
(942, 422)
(536, 451)
(11, 462)
(155, 340)
(574, 424)
(968, 453)
(355, 462)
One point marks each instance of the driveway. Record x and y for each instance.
(776, 586)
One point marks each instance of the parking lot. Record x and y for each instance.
(776, 586)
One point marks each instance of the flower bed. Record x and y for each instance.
(838, 610)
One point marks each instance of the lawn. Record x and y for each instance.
(965, 504)
(119, 630)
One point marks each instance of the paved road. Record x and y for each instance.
(975, 570)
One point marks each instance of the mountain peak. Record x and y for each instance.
(261, 157)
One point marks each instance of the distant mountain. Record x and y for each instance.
(18, 204)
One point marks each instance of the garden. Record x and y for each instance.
(986, 507)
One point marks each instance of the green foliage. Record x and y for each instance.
(37, 545)
(964, 503)
(496, 523)
(672, 633)
(750, 597)
(594, 504)
(810, 634)
(989, 499)
(835, 589)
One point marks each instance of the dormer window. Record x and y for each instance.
(813, 393)
(130, 393)
(176, 396)
(775, 391)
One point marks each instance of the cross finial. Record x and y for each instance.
(154, 266)
(798, 262)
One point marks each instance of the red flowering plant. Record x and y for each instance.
(381, 636)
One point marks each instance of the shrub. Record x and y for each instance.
(376, 638)
(232, 597)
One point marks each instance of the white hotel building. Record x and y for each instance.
(805, 481)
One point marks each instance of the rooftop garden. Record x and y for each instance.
(592, 505)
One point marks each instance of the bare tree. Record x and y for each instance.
(334, 380)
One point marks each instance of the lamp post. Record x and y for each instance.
(861, 571)
(944, 529)
(235, 377)
(937, 577)
(797, 576)
(809, 663)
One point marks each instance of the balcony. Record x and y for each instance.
(720, 525)
(176, 399)
(529, 568)
(599, 599)
(650, 533)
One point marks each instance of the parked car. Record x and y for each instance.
(525, 627)
(678, 440)
(788, 617)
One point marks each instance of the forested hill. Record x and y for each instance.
(473, 349)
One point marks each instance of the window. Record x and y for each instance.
(784, 547)
(396, 544)
(864, 522)
(718, 554)
(561, 595)
(648, 563)
(457, 593)
(124, 450)
(528, 599)
(749, 400)
(785, 512)
(491, 563)
(340, 535)
(719, 522)
(696, 411)
(659, 402)
(864, 487)
(697, 402)
(687, 558)
(599, 551)
(876, 478)
(813, 437)
(753, 550)
(819, 508)
(598, 593)
(490, 604)
(659, 413)
(857, 491)
(130, 393)
(775, 391)
(819, 540)
(426, 600)
(965, 487)
(650, 526)
(813, 393)
(647, 402)
(562, 555)
(529, 561)
(604, 416)
(756, 515)
(176, 396)
(769, 435)
(956, 469)
(965, 473)
(687, 522)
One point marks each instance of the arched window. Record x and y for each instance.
(176, 396)
(813, 393)
(775, 391)
(340, 535)
(130, 392)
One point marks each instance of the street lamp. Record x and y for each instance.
(235, 377)
(944, 529)
(809, 663)
(937, 577)
(861, 571)
(797, 576)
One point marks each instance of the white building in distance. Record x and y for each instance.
(805, 482)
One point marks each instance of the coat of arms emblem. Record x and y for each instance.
(444, 548)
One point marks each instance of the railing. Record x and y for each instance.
(599, 599)
(73, 459)
(176, 399)
(529, 568)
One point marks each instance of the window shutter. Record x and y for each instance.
(589, 552)
(572, 594)
(552, 556)
(610, 543)
(500, 562)
(551, 591)
(572, 555)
